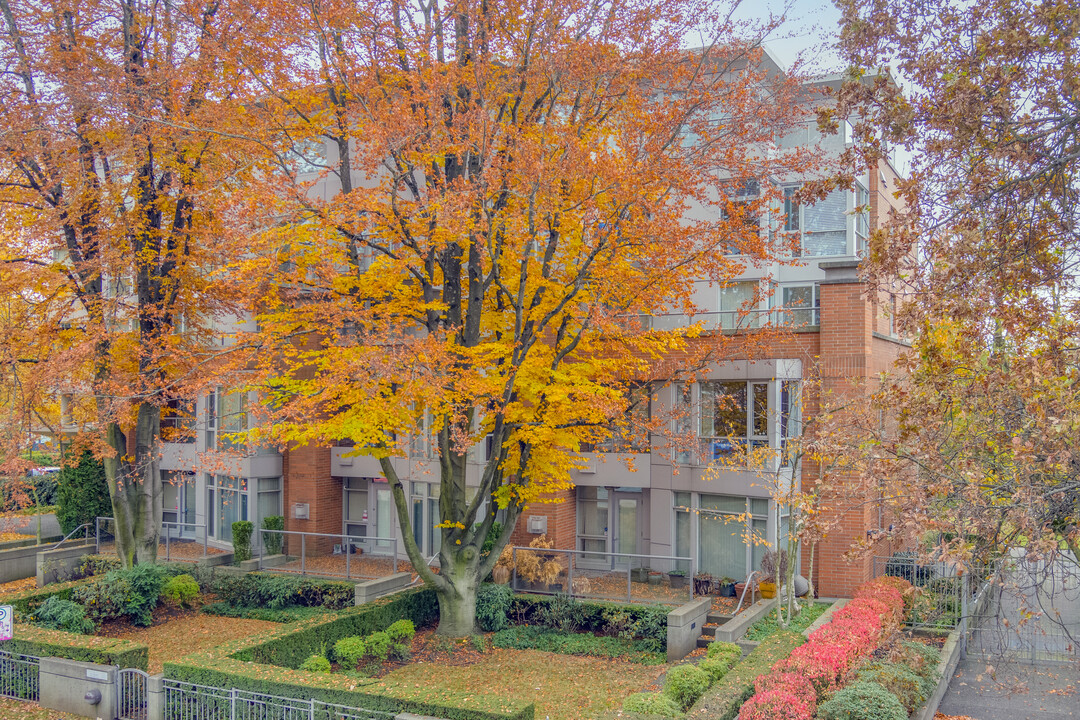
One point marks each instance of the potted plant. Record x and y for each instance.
(773, 566)
(677, 579)
(639, 574)
(703, 584)
(727, 587)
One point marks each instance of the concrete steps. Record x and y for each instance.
(708, 631)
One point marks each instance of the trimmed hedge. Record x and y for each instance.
(548, 640)
(28, 601)
(32, 640)
(284, 615)
(723, 700)
(265, 664)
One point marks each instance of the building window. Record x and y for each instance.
(825, 226)
(862, 219)
(233, 419)
(356, 507)
(733, 415)
(268, 502)
(732, 534)
(683, 528)
(800, 305)
(790, 413)
(738, 211)
(228, 503)
(631, 432)
(738, 306)
(178, 421)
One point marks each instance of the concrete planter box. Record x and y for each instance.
(368, 591)
(18, 558)
(216, 560)
(749, 645)
(734, 629)
(684, 625)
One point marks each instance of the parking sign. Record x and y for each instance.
(7, 622)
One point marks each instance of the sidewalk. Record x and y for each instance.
(1019, 692)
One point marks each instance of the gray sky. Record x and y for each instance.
(811, 29)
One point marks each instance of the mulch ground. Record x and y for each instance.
(177, 632)
(940, 716)
(8, 536)
(19, 710)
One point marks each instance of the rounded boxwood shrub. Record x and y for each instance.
(272, 541)
(350, 651)
(651, 704)
(378, 646)
(316, 663)
(720, 657)
(57, 614)
(900, 680)
(181, 590)
(862, 701)
(685, 684)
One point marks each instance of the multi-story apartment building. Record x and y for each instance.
(636, 495)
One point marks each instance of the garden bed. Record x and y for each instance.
(766, 626)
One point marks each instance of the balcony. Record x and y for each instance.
(795, 318)
(353, 465)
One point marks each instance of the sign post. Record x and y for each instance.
(7, 622)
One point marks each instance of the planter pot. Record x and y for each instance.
(656, 579)
(727, 590)
(677, 581)
(639, 575)
(739, 587)
(768, 590)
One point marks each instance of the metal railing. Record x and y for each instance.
(735, 320)
(18, 676)
(86, 536)
(132, 697)
(944, 590)
(172, 534)
(348, 555)
(665, 579)
(188, 701)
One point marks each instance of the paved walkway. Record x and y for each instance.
(28, 524)
(1026, 670)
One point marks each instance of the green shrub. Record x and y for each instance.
(131, 592)
(241, 540)
(27, 601)
(862, 701)
(81, 493)
(685, 684)
(920, 657)
(491, 538)
(57, 614)
(401, 630)
(316, 663)
(564, 613)
(378, 646)
(643, 622)
(105, 599)
(547, 640)
(349, 651)
(274, 591)
(492, 606)
(273, 541)
(90, 565)
(723, 700)
(652, 704)
(720, 658)
(181, 590)
(910, 689)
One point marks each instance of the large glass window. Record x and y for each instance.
(683, 528)
(178, 421)
(732, 532)
(269, 500)
(229, 504)
(738, 305)
(356, 507)
(862, 218)
(631, 432)
(825, 225)
(799, 305)
(790, 411)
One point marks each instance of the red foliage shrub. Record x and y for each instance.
(791, 682)
(777, 704)
(823, 664)
(885, 590)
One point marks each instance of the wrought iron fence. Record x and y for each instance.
(188, 701)
(947, 593)
(624, 577)
(18, 676)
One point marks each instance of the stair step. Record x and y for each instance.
(718, 618)
(708, 631)
(703, 642)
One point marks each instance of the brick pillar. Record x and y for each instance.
(306, 469)
(561, 513)
(847, 318)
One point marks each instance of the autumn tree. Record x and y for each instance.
(114, 227)
(481, 205)
(987, 106)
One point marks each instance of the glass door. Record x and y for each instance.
(625, 538)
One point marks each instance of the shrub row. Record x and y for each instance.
(723, 700)
(815, 670)
(28, 601)
(264, 664)
(685, 684)
(567, 643)
(639, 622)
(31, 640)
(284, 615)
(273, 591)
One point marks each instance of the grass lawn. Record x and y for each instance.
(564, 687)
(19, 710)
(766, 626)
(186, 632)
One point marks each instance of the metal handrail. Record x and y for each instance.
(746, 587)
(68, 536)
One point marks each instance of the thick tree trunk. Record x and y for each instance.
(135, 488)
(457, 601)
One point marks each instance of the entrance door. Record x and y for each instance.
(625, 523)
(178, 504)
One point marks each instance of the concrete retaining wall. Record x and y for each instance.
(368, 591)
(684, 627)
(58, 565)
(735, 628)
(950, 658)
(19, 562)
